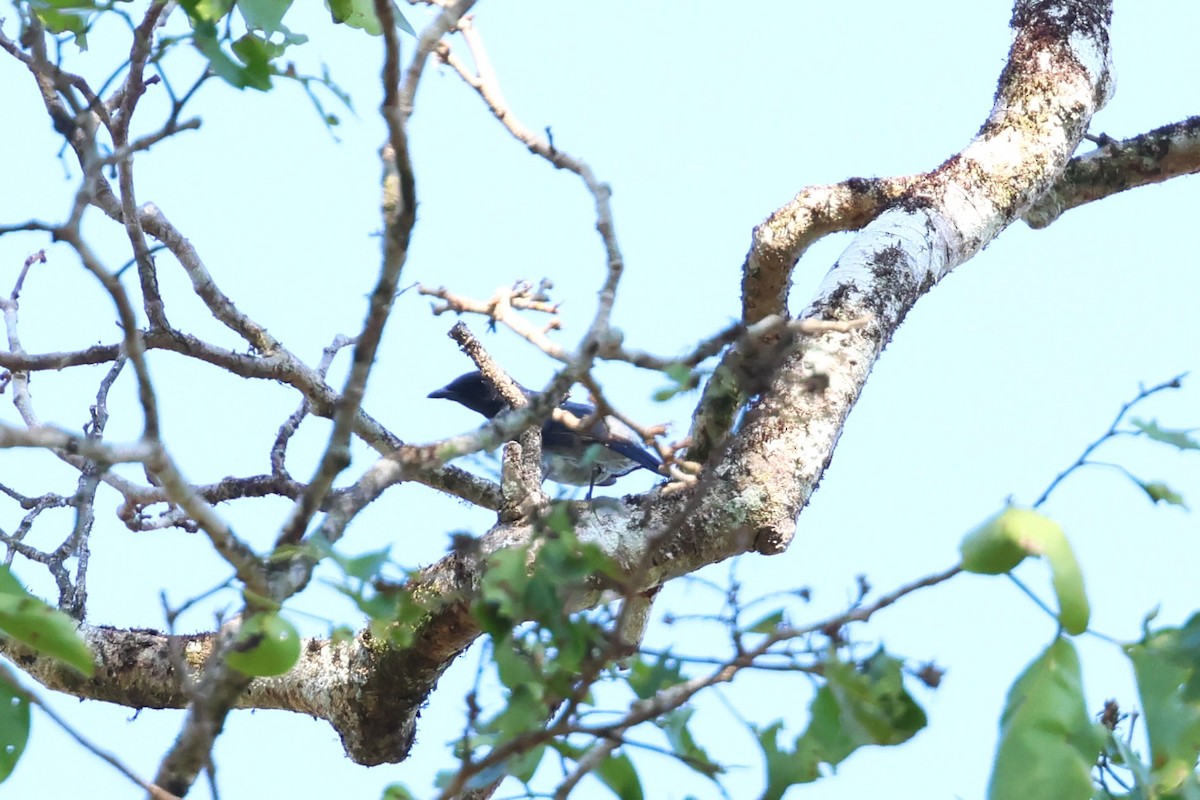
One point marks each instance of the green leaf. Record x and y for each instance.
(86, 5)
(618, 774)
(206, 11)
(675, 725)
(361, 14)
(397, 791)
(768, 624)
(1166, 664)
(1176, 437)
(9, 583)
(14, 727)
(264, 15)
(857, 706)
(683, 378)
(1161, 493)
(646, 679)
(514, 668)
(1067, 579)
(64, 21)
(873, 705)
(523, 765)
(991, 549)
(257, 54)
(784, 769)
(45, 629)
(219, 61)
(1001, 543)
(1048, 743)
(365, 567)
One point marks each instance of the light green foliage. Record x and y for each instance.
(14, 727)
(1180, 439)
(675, 725)
(1176, 437)
(397, 791)
(393, 612)
(1048, 743)
(65, 16)
(618, 774)
(267, 644)
(1166, 664)
(45, 629)
(859, 704)
(1003, 542)
(361, 14)
(1160, 492)
(683, 379)
(646, 678)
(538, 664)
(246, 55)
(264, 15)
(767, 624)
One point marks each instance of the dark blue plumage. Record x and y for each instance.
(597, 456)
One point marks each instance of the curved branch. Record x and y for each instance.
(1153, 157)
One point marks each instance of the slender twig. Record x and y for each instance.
(1112, 432)
(397, 234)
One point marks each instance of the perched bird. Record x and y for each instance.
(597, 456)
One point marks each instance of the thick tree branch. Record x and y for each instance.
(1149, 158)
(1056, 78)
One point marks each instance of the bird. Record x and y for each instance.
(607, 450)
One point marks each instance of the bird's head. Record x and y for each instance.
(474, 392)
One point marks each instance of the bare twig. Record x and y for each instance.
(487, 85)
(1112, 432)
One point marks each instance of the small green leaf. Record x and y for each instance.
(523, 765)
(14, 727)
(264, 15)
(83, 5)
(257, 54)
(1166, 664)
(355, 13)
(618, 774)
(991, 549)
(1176, 437)
(675, 725)
(1161, 493)
(9, 583)
(361, 14)
(784, 769)
(46, 630)
(646, 678)
(1048, 743)
(365, 567)
(1067, 579)
(683, 379)
(1007, 538)
(857, 706)
(219, 61)
(64, 21)
(397, 791)
(209, 11)
(768, 624)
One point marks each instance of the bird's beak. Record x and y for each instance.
(438, 394)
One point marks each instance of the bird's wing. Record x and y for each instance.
(611, 433)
